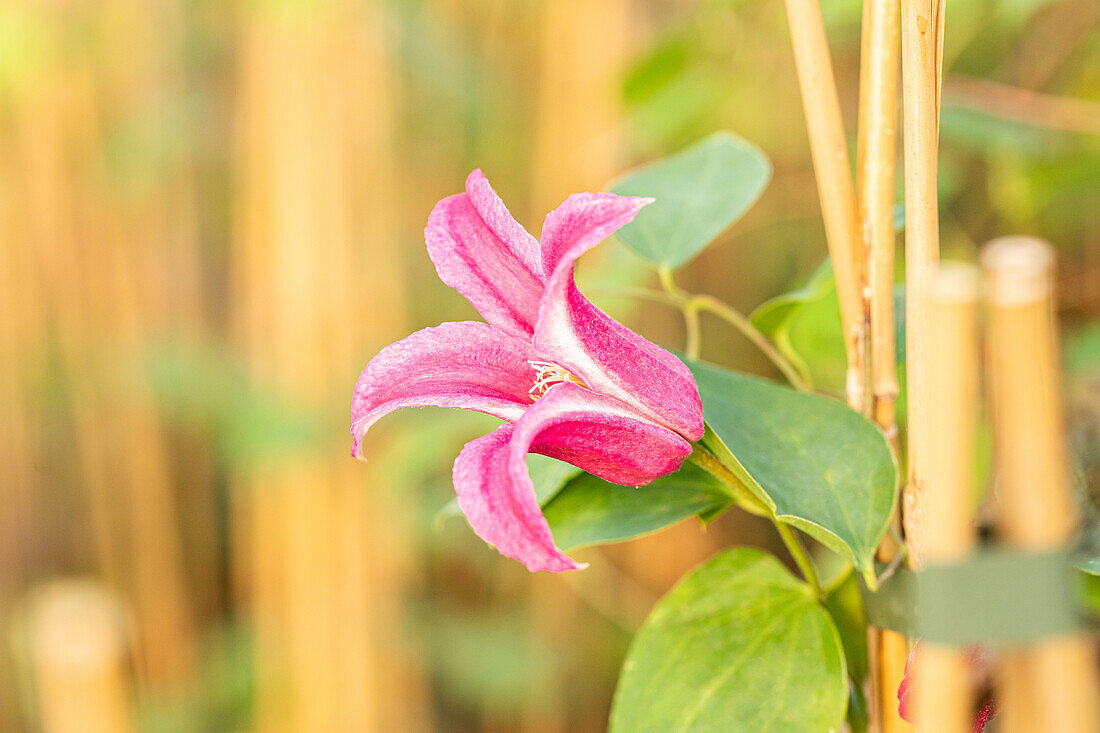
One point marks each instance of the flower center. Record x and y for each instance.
(547, 374)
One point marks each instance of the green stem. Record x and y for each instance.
(712, 465)
(739, 321)
(664, 275)
(694, 342)
(677, 298)
(707, 461)
(800, 557)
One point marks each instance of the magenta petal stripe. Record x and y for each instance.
(591, 431)
(466, 364)
(483, 253)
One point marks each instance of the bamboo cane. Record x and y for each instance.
(21, 354)
(877, 154)
(315, 121)
(834, 182)
(1052, 685)
(942, 688)
(887, 650)
(78, 653)
(59, 123)
(921, 34)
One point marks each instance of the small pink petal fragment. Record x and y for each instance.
(466, 364)
(482, 252)
(976, 658)
(591, 431)
(601, 352)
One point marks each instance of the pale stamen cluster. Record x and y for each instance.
(547, 374)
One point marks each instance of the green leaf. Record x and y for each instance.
(773, 315)
(805, 325)
(845, 604)
(739, 644)
(699, 192)
(817, 464)
(591, 511)
(1090, 565)
(548, 475)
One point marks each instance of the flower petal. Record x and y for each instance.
(604, 354)
(584, 220)
(467, 364)
(594, 432)
(482, 252)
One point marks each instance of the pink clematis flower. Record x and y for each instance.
(569, 381)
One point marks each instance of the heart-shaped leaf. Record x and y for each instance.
(820, 466)
(590, 511)
(699, 192)
(739, 644)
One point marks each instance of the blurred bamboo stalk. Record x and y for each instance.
(944, 699)
(82, 235)
(316, 293)
(21, 322)
(834, 184)
(922, 53)
(877, 155)
(1052, 685)
(79, 657)
(576, 145)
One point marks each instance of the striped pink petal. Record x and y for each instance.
(482, 252)
(583, 221)
(591, 431)
(603, 353)
(466, 364)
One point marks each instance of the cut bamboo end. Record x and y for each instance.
(1020, 270)
(77, 633)
(1050, 686)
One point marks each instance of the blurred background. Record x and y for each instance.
(211, 217)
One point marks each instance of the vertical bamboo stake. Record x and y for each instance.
(1050, 686)
(78, 653)
(21, 354)
(314, 249)
(877, 154)
(921, 35)
(944, 701)
(80, 238)
(834, 182)
(576, 140)
(887, 650)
